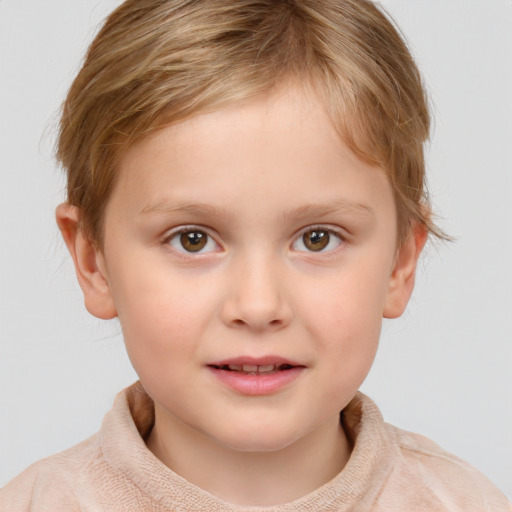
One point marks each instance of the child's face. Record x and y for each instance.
(252, 236)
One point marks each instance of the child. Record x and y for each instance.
(246, 193)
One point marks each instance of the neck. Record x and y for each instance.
(251, 478)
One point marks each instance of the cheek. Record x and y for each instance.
(161, 319)
(344, 315)
(347, 337)
(347, 302)
(152, 296)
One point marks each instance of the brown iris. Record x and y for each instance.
(193, 241)
(316, 239)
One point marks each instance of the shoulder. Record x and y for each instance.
(442, 479)
(51, 483)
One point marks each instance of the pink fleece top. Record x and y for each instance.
(113, 471)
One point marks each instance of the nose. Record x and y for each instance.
(256, 297)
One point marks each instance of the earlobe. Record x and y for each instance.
(89, 263)
(401, 282)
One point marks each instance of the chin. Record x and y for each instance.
(261, 440)
(258, 446)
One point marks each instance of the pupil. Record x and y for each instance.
(193, 241)
(316, 240)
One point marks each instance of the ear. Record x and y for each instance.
(89, 263)
(401, 282)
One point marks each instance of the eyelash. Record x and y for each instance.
(190, 230)
(330, 232)
(210, 239)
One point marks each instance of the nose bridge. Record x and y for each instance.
(257, 297)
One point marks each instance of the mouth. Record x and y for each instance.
(254, 369)
(256, 376)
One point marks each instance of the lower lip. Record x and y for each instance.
(260, 384)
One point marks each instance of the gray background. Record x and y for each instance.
(444, 369)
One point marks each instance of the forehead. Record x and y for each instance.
(280, 147)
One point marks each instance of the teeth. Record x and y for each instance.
(252, 368)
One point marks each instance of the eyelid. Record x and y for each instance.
(337, 232)
(174, 232)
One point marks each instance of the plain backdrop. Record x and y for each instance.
(444, 369)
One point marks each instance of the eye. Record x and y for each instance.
(192, 241)
(317, 240)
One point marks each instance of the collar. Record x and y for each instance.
(354, 489)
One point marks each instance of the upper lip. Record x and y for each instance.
(256, 361)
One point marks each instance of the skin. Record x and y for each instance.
(254, 178)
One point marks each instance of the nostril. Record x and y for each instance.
(241, 323)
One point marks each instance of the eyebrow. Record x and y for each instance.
(308, 210)
(165, 207)
(330, 208)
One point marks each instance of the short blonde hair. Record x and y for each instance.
(156, 62)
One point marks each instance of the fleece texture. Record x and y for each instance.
(389, 470)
